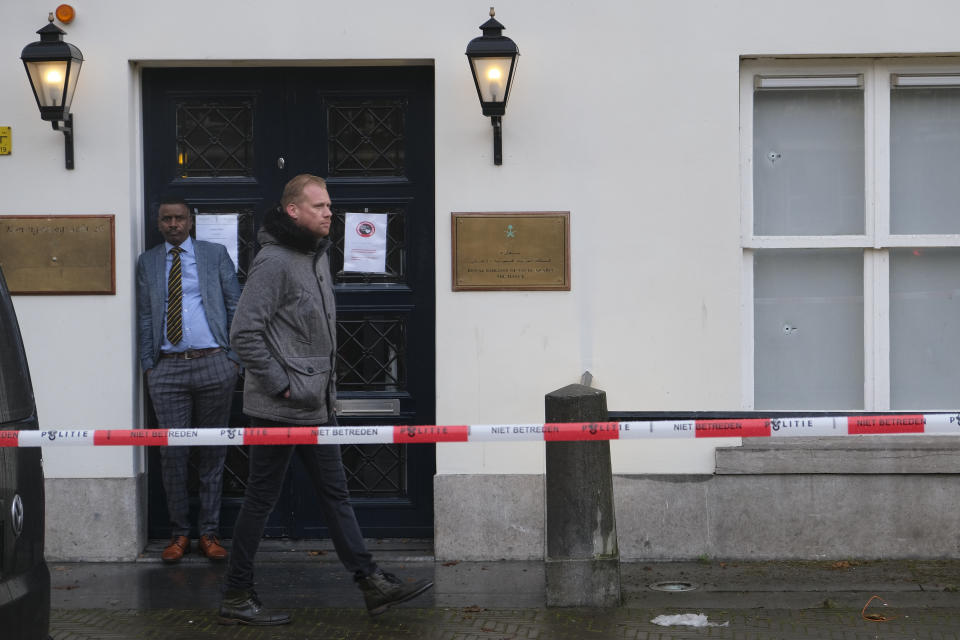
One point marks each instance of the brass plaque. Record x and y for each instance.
(511, 251)
(6, 141)
(58, 254)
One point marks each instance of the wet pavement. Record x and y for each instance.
(505, 600)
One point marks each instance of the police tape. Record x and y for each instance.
(819, 426)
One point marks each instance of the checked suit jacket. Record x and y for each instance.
(219, 290)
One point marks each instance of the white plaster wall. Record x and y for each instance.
(623, 113)
(79, 347)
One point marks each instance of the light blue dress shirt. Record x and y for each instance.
(196, 331)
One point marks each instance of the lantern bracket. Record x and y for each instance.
(67, 127)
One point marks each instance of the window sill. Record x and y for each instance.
(854, 455)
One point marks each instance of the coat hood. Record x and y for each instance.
(279, 228)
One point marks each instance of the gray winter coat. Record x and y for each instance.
(285, 332)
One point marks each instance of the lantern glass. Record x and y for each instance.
(48, 78)
(54, 82)
(492, 76)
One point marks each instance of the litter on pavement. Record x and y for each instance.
(687, 620)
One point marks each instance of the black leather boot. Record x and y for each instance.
(244, 607)
(382, 590)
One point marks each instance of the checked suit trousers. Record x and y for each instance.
(189, 394)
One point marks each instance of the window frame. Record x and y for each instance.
(876, 241)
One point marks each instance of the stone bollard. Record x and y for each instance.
(583, 561)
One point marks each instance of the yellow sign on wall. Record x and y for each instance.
(6, 141)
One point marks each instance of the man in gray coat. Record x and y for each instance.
(285, 333)
(187, 292)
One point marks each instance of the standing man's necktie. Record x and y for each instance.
(175, 299)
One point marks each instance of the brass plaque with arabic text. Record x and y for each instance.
(44, 255)
(527, 251)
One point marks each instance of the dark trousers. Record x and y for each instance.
(268, 468)
(188, 394)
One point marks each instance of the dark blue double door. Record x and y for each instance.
(227, 140)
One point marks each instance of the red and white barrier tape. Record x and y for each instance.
(820, 426)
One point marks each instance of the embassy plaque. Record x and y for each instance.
(511, 251)
(45, 255)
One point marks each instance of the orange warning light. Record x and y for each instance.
(65, 13)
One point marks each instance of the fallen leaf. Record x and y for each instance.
(875, 617)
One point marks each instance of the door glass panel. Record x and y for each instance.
(808, 333)
(375, 470)
(236, 468)
(924, 325)
(808, 168)
(924, 159)
(215, 138)
(396, 259)
(371, 352)
(366, 137)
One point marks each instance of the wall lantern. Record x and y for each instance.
(493, 60)
(53, 66)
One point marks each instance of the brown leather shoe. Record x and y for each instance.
(178, 546)
(210, 547)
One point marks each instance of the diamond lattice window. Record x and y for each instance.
(371, 352)
(375, 470)
(366, 137)
(215, 139)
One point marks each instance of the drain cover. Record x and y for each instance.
(673, 586)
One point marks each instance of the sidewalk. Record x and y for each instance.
(505, 600)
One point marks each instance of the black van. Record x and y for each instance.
(24, 577)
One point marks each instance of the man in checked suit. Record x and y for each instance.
(187, 292)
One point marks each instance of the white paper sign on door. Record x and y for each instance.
(365, 242)
(220, 228)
